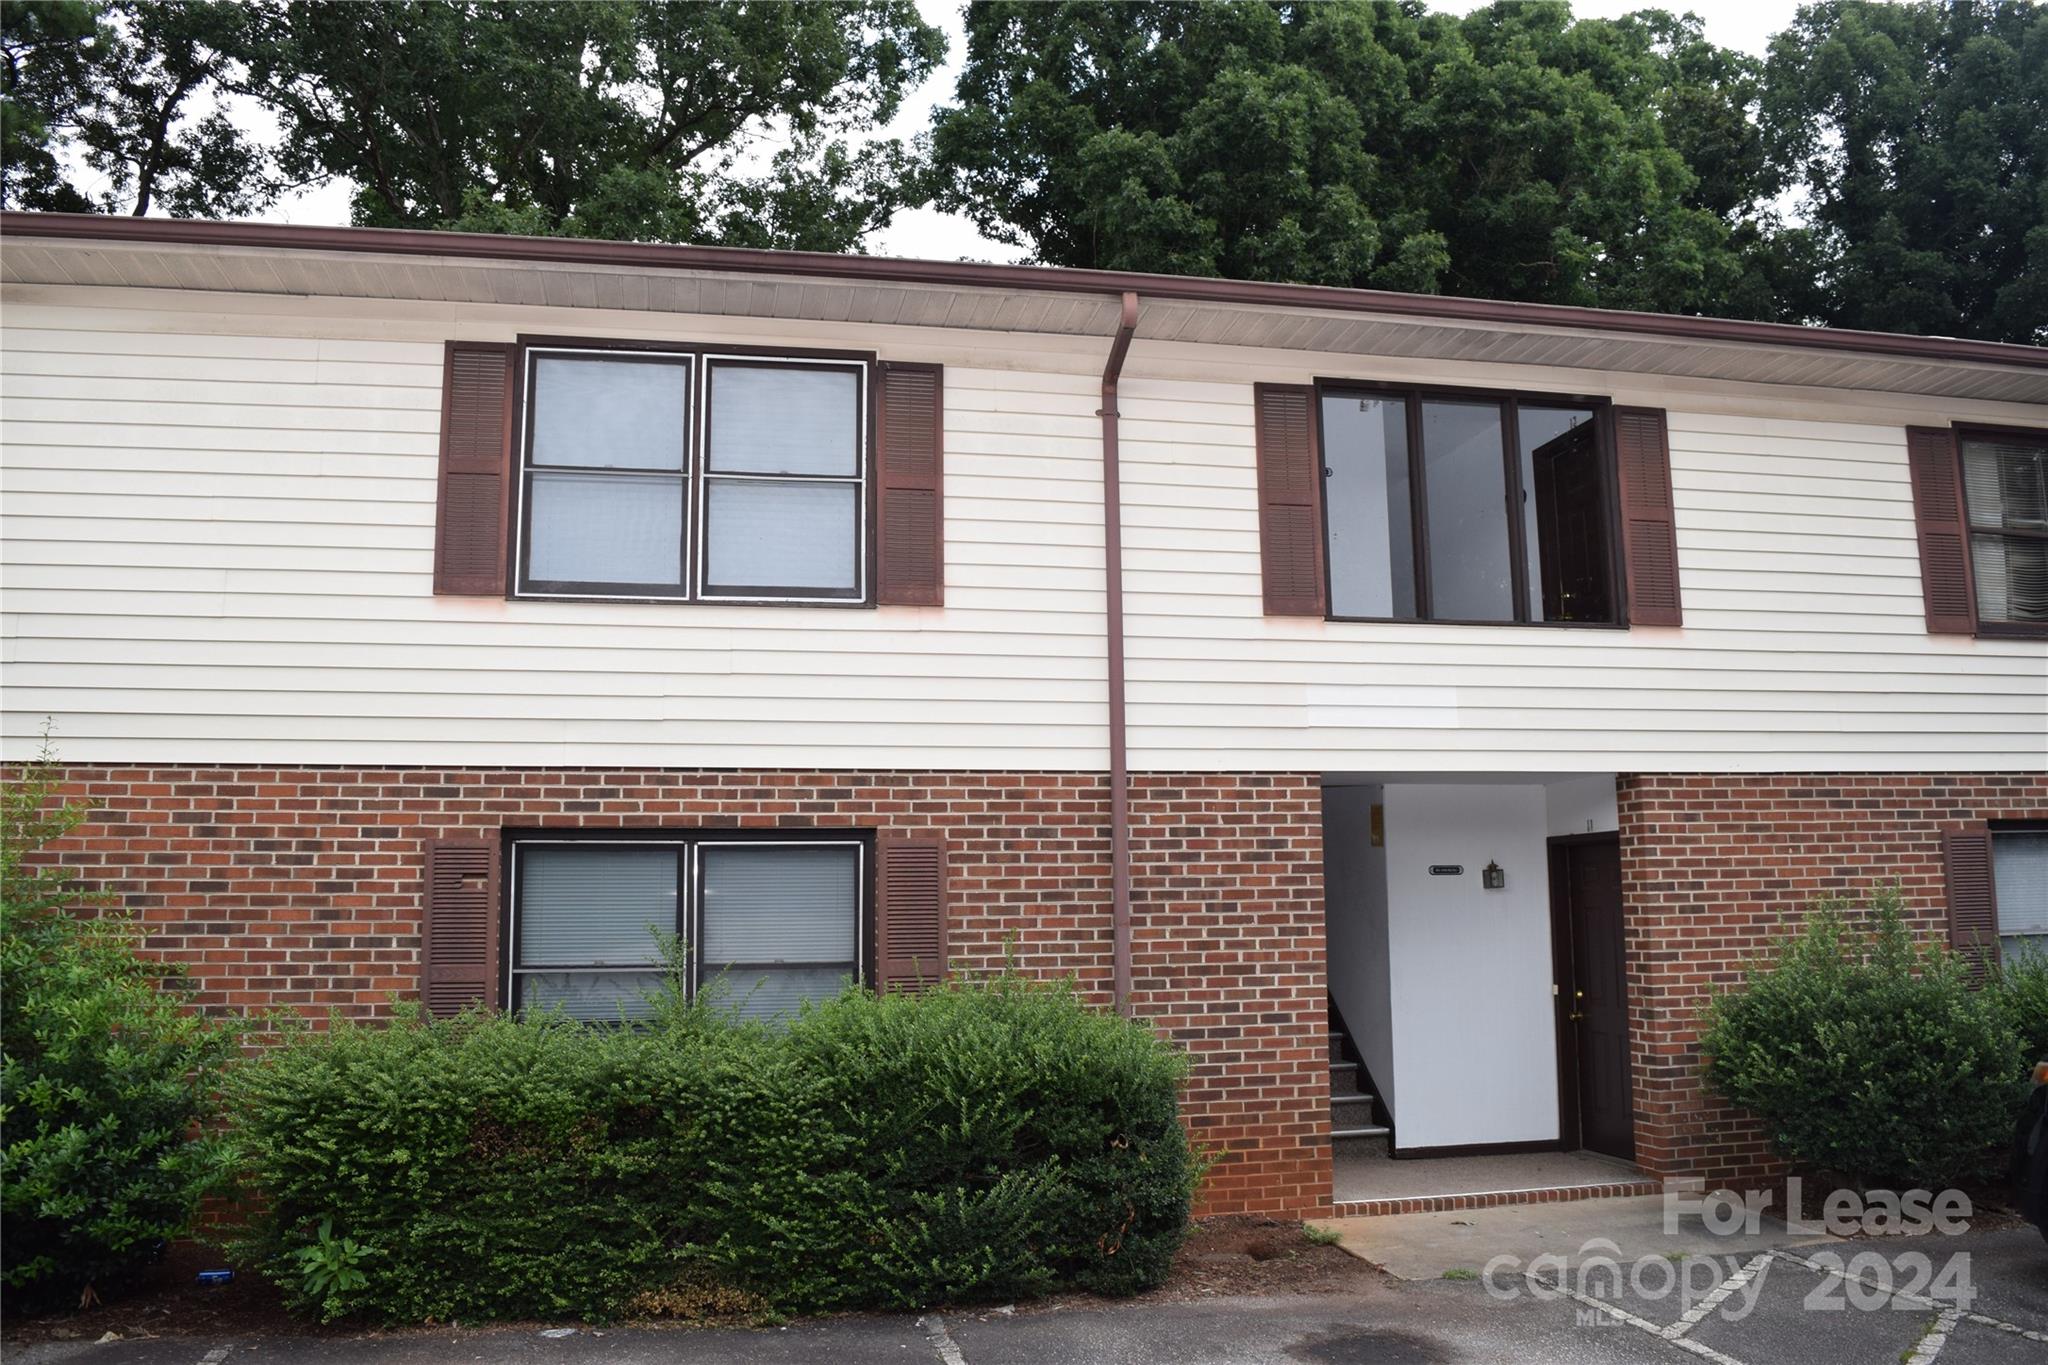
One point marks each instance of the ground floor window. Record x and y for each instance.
(763, 924)
(2019, 876)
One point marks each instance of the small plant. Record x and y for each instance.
(107, 1082)
(2020, 985)
(331, 1269)
(1868, 1057)
(1460, 1273)
(1321, 1236)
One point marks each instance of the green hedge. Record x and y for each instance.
(983, 1141)
(1874, 1059)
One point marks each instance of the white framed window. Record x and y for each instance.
(692, 476)
(767, 923)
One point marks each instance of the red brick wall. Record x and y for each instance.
(1716, 867)
(301, 888)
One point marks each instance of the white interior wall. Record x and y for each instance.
(1355, 891)
(1474, 1038)
(1582, 805)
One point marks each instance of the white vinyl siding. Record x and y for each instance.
(219, 519)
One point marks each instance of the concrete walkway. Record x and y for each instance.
(1365, 1171)
(1426, 1246)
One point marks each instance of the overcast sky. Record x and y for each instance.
(1743, 24)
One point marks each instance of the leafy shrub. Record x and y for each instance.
(1867, 1056)
(983, 1140)
(106, 1083)
(2021, 986)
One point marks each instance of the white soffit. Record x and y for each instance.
(262, 270)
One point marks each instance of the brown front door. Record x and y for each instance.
(1596, 1098)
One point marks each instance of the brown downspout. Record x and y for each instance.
(1113, 571)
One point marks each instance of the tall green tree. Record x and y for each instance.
(46, 50)
(1511, 153)
(593, 118)
(1919, 135)
(132, 89)
(607, 118)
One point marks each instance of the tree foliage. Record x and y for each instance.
(592, 118)
(582, 117)
(1919, 134)
(1882, 168)
(1511, 154)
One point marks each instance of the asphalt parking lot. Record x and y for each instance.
(1853, 1303)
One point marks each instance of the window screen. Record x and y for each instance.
(587, 916)
(779, 924)
(2019, 873)
(782, 487)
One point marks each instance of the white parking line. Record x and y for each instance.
(2011, 1327)
(1623, 1315)
(941, 1340)
(1936, 1338)
(1754, 1268)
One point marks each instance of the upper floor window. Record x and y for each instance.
(2005, 485)
(705, 477)
(1442, 506)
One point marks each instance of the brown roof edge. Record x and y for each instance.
(968, 274)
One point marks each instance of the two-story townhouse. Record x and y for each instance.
(440, 614)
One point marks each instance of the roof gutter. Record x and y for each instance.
(967, 274)
(1113, 575)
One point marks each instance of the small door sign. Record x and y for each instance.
(1446, 869)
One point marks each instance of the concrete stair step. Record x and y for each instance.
(1343, 1078)
(1370, 1130)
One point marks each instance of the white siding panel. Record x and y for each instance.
(1804, 646)
(219, 547)
(218, 534)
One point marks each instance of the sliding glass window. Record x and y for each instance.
(1442, 506)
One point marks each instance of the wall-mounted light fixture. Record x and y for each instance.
(1492, 877)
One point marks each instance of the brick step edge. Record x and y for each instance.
(1492, 1199)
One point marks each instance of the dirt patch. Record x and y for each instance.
(170, 1302)
(1243, 1256)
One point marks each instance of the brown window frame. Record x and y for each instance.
(695, 590)
(1509, 401)
(1960, 432)
(689, 883)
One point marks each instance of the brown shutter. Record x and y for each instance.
(910, 461)
(1972, 897)
(1290, 499)
(910, 926)
(1938, 511)
(1649, 531)
(476, 462)
(459, 940)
